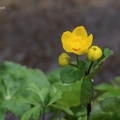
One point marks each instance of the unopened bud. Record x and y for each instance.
(94, 53)
(64, 59)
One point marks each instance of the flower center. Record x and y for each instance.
(77, 43)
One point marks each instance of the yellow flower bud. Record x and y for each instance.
(64, 59)
(94, 53)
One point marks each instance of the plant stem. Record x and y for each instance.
(76, 60)
(72, 64)
(89, 104)
(43, 117)
(88, 110)
(89, 68)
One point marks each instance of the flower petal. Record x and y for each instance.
(89, 40)
(81, 52)
(66, 36)
(67, 47)
(80, 31)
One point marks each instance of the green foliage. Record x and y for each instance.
(71, 74)
(107, 109)
(31, 94)
(107, 101)
(54, 96)
(87, 85)
(86, 91)
(54, 76)
(63, 108)
(106, 90)
(2, 115)
(47, 96)
(12, 105)
(14, 79)
(107, 52)
(70, 94)
(34, 112)
(42, 94)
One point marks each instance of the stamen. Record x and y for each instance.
(76, 49)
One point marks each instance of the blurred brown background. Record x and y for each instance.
(30, 30)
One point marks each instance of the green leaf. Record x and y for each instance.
(70, 93)
(71, 74)
(42, 94)
(107, 52)
(28, 114)
(79, 111)
(54, 95)
(86, 91)
(2, 115)
(54, 76)
(36, 113)
(82, 118)
(105, 90)
(37, 77)
(104, 87)
(70, 99)
(17, 108)
(64, 108)
(32, 101)
(107, 109)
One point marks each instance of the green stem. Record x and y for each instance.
(89, 68)
(89, 104)
(72, 64)
(76, 60)
(88, 110)
(43, 117)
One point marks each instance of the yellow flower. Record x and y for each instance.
(76, 41)
(94, 53)
(64, 59)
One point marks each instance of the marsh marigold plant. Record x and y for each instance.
(79, 42)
